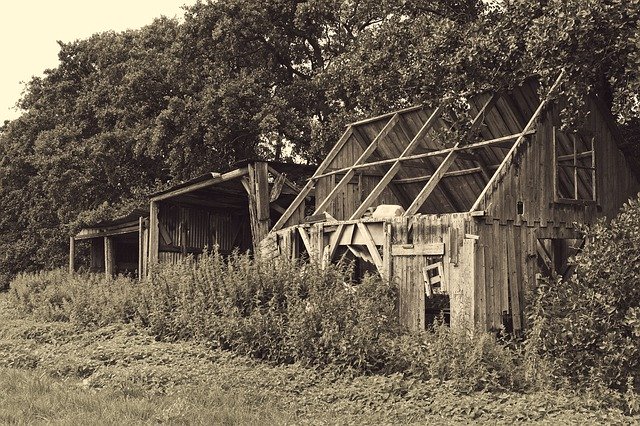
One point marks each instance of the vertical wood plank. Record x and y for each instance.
(514, 279)
(109, 261)
(72, 255)
(140, 248)
(154, 233)
(480, 312)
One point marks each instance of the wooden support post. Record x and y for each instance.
(72, 255)
(259, 209)
(109, 260)
(140, 248)
(386, 252)
(154, 234)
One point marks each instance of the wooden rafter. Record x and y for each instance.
(518, 142)
(439, 153)
(309, 185)
(363, 157)
(397, 192)
(214, 180)
(391, 173)
(442, 169)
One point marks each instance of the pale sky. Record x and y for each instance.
(29, 30)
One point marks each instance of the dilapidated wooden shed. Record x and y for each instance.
(231, 210)
(472, 222)
(115, 245)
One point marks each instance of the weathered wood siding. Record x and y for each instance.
(530, 179)
(506, 269)
(456, 232)
(192, 228)
(458, 261)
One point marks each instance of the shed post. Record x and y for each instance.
(259, 201)
(154, 234)
(108, 257)
(141, 248)
(72, 255)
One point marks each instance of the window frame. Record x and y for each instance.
(575, 156)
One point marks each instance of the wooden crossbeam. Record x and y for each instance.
(439, 153)
(363, 157)
(442, 169)
(309, 185)
(391, 173)
(453, 173)
(518, 142)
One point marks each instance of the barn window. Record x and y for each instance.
(574, 167)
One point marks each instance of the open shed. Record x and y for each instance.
(231, 210)
(115, 246)
(464, 226)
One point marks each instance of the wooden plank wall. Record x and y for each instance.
(193, 228)
(530, 180)
(506, 268)
(449, 229)
(455, 231)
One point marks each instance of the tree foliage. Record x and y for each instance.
(124, 113)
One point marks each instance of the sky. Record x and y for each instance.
(30, 29)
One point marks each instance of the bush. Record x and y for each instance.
(589, 327)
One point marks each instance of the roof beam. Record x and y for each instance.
(431, 184)
(309, 185)
(391, 173)
(518, 142)
(363, 157)
(214, 180)
(439, 153)
(448, 174)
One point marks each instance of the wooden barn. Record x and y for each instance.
(115, 246)
(464, 226)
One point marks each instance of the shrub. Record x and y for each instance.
(589, 327)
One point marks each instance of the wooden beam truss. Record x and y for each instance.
(442, 169)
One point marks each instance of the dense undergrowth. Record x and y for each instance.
(584, 334)
(282, 312)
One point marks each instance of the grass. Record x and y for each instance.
(32, 397)
(56, 373)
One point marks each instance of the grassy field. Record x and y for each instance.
(55, 373)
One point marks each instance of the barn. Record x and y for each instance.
(461, 225)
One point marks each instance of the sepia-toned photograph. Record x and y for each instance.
(323, 212)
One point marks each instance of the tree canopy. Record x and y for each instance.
(126, 113)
